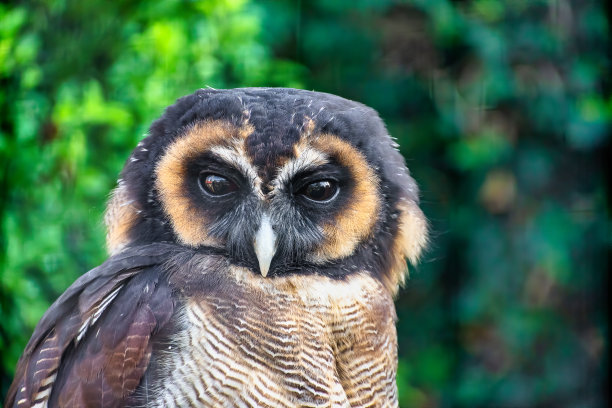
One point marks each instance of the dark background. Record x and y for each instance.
(502, 110)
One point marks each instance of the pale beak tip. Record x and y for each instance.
(265, 245)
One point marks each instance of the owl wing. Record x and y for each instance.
(92, 346)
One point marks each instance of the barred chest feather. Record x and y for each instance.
(306, 341)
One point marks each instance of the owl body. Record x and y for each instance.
(261, 345)
(257, 237)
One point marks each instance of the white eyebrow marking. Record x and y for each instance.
(307, 158)
(236, 157)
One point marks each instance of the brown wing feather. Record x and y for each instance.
(92, 346)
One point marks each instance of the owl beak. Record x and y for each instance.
(265, 244)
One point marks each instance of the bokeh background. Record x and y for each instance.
(502, 110)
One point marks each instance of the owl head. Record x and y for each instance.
(279, 181)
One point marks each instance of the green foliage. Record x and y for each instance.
(502, 110)
(81, 82)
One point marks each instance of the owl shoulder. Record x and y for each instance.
(94, 342)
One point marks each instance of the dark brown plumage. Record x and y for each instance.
(257, 237)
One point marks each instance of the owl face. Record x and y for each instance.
(279, 181)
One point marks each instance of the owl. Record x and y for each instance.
(256, 240)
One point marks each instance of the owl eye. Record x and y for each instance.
(216, 185)
(321, 190)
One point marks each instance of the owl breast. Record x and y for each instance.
(305, 341)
